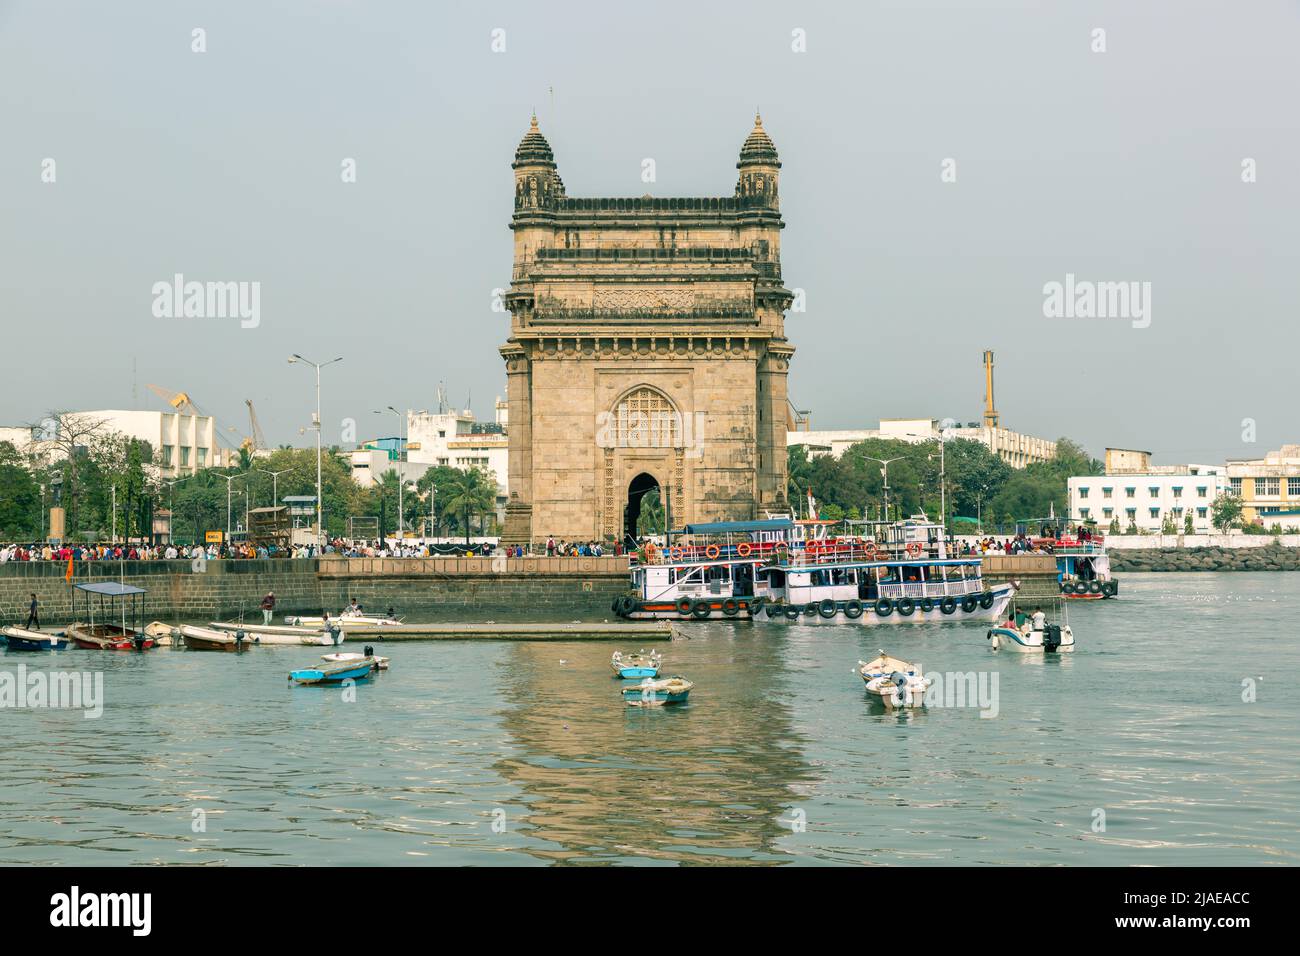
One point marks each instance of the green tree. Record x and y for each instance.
(471, 493)
(651, 519)
(20, 497)
(1225, 511)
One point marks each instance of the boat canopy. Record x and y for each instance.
(739, 527)
(111, 588)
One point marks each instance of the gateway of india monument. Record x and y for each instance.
(647, 350)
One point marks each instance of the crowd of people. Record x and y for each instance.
(1023, 544)
(342, 547)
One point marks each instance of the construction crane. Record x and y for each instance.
(255, 440)
(184, 406)
(990, 413)
(797, 420)
(177, 400)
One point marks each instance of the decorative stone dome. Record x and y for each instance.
(758, 148)
(533, 149)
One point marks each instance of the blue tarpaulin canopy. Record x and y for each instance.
(112, 588)
(739, 527)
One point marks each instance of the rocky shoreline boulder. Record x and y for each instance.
(1272, 557)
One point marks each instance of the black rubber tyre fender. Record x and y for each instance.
(853, 609)
(700, 610)
(826, 608)
(684, 606)
(792, 612)
(986, 600)
(810, 610)
(730, 607)
(927, 605)
(906, 606)
(884, 607)
(968, 603)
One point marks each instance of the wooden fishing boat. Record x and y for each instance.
(278, 634)
(21, 639)
(655, 693)
(164, 634)
(207, 639)
(334, 673)
(108, 637)
(636, 666)
(108, 625)
(894, 682)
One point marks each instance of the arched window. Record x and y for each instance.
(645, 418)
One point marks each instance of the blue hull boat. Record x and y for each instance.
(651, 693)
(21, 639)
(636, 666)
(334, 673)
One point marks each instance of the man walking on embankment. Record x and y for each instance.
(268, 607)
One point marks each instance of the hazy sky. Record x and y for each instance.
(225, 165)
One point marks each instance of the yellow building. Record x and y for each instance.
(1269, 487)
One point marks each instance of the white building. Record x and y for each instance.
(1016, 449)
(1144, 501)
(446, 437)
(369, 465)
(182, 444)
(457, 440)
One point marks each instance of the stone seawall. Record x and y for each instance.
(1269, 558)
(532, 587)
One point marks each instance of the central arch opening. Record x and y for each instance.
(643, 515)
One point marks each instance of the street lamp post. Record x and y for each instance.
(275, 483)
(401, 478)
(171, 521)
(884, 471)
(295, 357)
(230, 479)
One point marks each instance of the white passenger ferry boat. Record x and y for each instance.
(886, 573)
(783, 570)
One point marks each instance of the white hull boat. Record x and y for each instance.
(894, 682)
(275, 634)
(346, 620)
(381, 663)
(1053, 639)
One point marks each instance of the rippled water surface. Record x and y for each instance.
(524, 753)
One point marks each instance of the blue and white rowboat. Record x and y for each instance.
(21, 639)
(653, 693)
(636, 666)
(334, 673)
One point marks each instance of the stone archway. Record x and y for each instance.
(639, 487)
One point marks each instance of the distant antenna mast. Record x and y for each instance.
(990, 412)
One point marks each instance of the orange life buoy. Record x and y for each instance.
(712, 551)
(676, 553)
(913, 548)
(743, 549)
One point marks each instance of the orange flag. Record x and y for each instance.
(68, 576)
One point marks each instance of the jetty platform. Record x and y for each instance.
(513, 631)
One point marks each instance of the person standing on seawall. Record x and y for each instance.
(268, 607)
(32, 616)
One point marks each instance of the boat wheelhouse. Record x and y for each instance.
(881, 572)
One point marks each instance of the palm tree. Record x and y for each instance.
(471, 492)
(651, 518)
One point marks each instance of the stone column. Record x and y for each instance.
(519, 507)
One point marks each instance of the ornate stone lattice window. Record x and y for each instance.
(645, 418)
